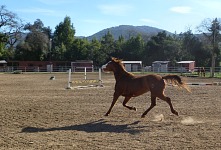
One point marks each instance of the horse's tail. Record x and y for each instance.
(176, 80)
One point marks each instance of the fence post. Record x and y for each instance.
(210, 71)
(100, 80)
(69, 79)
(85, 73)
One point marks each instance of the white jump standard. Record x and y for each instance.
(92, 81)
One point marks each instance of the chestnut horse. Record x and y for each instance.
(129, 85)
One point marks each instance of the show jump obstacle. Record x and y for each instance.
(202, 84)
(90, 82)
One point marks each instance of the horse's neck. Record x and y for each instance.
(122, 73)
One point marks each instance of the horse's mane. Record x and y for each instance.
(121, 65)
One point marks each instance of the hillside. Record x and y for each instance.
(127, 31)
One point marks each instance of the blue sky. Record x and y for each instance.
(91, 16)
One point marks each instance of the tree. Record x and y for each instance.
(189, 44)
(3, 52)
(7, 18)
(133, 48)
(36, 44)
(153, 50)
(211, 30)
(172, 50)
(107, 45)
(193, 48)
(10, 30)
(14, 34)
(79, 50)
(94, 54)
(63, 37)
(119, 44)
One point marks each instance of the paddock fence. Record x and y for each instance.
(176, 70)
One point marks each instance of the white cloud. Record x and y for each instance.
(119, 10)
(181, 9)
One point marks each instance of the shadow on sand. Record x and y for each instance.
(96, 126)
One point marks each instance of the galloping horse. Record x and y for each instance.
(129, 85)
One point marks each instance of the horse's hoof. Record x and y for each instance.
(175, 112)
(143, 116)
(134, 108)
(106, 114)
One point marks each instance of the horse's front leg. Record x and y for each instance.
(125, 102)
(116, 96)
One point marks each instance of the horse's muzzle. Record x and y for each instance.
(104, 68)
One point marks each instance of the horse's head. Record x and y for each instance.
(112, 65)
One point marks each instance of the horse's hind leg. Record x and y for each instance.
(153, 103)
(168, 100)
(125, 102)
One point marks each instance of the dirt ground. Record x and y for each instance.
(38, 113)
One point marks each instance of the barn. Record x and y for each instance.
(81, 65)
(133, 66)
(160, 66)
(3, 64)
(39, 66)
(186, 66)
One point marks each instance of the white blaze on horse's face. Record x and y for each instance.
(105, 67)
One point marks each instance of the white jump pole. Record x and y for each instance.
(85, 73)
(69, 79)
(100, 80)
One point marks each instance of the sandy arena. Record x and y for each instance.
(38, 113)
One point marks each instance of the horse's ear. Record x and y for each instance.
(113, 59)
(116, 59)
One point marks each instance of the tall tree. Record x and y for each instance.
(79, 50)
(154, 48)
(119, 44)
(211, 30)
(11, 27)
(133, 48)
(172, 50)
(36, 44)
(95, 54)
(63, 37)
(189, 42)
(3, 52)
(107, 45)
(162, 47)
(193, 49)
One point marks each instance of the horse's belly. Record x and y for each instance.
(132, 88)
(138, 93)
(134, 93)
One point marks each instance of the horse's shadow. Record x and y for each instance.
(96, 126)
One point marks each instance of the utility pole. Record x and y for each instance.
(214, 34)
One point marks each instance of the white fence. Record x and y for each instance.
(65, 68)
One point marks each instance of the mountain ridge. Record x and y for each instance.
(128, 31)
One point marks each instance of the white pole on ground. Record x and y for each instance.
(69, 79)
(100, 77)
(85, 73)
